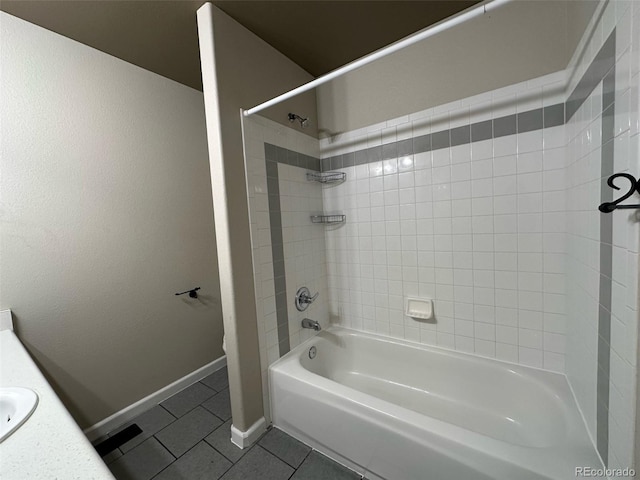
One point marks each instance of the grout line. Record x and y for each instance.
(163, 407)
(210, 388)
(160, 442)
(174, 458)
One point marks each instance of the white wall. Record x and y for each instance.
(477, 227)
(105, 214)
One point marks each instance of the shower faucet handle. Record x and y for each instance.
(308, 299)
(304, 298)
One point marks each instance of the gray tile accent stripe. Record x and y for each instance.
(277, 247)
(460, 135)
(553, 115)
(531, 120)
(601, 64)
(606, 253)
(481, 131)
(273, 156)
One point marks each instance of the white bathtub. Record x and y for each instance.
(395, 410)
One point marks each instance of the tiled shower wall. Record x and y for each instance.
(288, 250)
(487, 205)
(602, 253)
(463, 204)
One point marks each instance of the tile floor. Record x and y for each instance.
(187, 437)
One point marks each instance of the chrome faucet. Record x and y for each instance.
(308, 323)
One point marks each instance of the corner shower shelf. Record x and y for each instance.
(328, 219)
(326, 177)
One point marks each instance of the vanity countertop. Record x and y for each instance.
(49, 445)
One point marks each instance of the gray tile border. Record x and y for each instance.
(277, 246)
(202, 462)
(389, 150)
(374, 154)
(273, 156)
(143, 462)
(279, 284)
(422, 144)
(481, 131)
(219, 405)
(602, 426)
(608, 130)
(530, 121)
(220, 439)
(184, 433)
(187, 399)
(604, 64)
(318, 467)
(258, 463)
(151, 422)
(348, 160)
(553, 115)
(405, 147)
(604, 349)
(285, 447)
(292, 158)
(361, 157)
(272, 186)
(504, 126)
(440, 140)
(460, 135)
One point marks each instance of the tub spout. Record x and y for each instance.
(308, 323)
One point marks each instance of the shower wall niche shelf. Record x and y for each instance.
(327, 178)
(328, 219)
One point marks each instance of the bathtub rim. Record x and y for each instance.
(412, 343)
(294, 352)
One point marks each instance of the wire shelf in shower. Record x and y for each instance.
(328, 219)
(327, 177)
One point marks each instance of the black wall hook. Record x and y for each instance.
(193, 293)
(608, 207)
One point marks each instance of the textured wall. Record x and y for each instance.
(106, 212)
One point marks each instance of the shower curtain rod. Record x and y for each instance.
(427, 32)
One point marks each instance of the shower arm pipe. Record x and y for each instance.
(468, 14)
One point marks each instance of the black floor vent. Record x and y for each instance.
(120, 438)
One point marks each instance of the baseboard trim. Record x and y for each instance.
(128, 413)
(246, 439)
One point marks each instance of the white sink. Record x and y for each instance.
(16, 406)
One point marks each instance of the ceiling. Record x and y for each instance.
(161, 36)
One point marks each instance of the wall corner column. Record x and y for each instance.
(231, 211)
